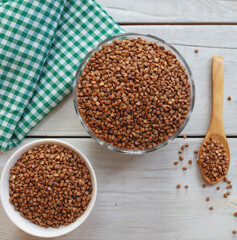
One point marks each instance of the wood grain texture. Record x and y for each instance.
(211, 41)
(148, 204)
(217, 95)
(172, 11)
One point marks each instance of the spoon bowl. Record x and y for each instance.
(222, 139)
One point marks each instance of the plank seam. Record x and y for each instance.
(35, 136)
(177, 23)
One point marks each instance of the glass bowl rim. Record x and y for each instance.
(158, 146)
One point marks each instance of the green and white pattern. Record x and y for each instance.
(41, 46)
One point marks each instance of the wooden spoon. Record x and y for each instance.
(216, 127)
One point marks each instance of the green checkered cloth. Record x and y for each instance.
(42, 43)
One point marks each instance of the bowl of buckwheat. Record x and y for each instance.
(134, 93)
(48, 188)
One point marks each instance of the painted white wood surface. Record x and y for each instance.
(211, 41)
(137, 195)
(171, 11)
(138, 199)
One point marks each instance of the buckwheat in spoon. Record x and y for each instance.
(214, 156)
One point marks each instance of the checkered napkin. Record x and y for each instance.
(42, 43)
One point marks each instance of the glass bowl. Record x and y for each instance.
(160, 42)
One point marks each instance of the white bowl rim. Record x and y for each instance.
(43, 232)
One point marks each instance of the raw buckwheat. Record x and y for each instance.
(133, 94)
(213, 160)
(50, 186)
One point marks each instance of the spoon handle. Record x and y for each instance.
(217, 93)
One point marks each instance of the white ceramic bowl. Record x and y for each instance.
(25, 224)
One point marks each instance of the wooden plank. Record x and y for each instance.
(137, 197)
(172, 11)
(211, 41)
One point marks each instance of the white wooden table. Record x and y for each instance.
(137, 195)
